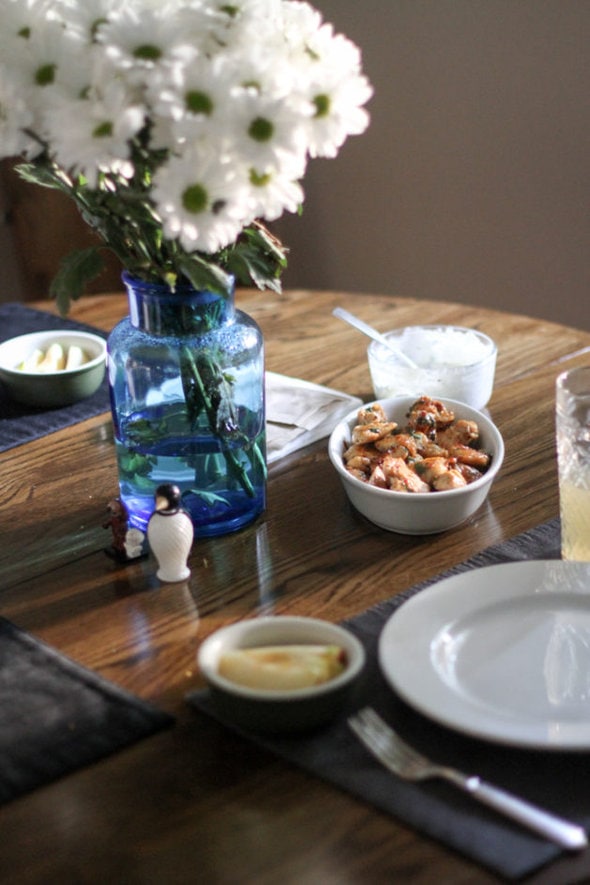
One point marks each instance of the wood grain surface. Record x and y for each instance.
(196, 803)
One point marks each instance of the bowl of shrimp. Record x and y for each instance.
(416, 466)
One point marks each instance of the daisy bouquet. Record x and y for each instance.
(177, 126)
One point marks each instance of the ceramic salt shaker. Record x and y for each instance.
(170, 534)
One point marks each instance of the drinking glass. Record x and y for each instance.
(572, 422)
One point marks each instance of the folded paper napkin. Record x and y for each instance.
(299, 413)
(56, 716)
(557, 781)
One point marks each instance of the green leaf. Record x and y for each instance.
(257, 257)
(36, 174)
(76, 270)
(205, 275)
(209, 498)
(46, 176)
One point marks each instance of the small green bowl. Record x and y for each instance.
(52, 389)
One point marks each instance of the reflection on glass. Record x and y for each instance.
(567, 662)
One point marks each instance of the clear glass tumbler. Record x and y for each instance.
(572, 424)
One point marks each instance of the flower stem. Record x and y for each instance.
(201, 395)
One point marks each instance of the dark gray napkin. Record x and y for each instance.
(56, 716)
(19, 423)
(558, 781)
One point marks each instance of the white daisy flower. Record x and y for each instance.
(271, 193)
(92, 134)
(197, 98)
(338, 113)
(268, 134)
(141, 38)
(337, 91)
(46, 56)
(200, 200)
(19, 20)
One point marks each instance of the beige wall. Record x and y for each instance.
(472, 182)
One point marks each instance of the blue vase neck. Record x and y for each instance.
(155, 308)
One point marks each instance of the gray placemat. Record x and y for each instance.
(557, 781)
(56, 716)
(20, 423)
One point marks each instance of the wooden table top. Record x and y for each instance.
(195, 802)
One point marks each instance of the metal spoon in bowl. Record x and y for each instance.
(372, 333)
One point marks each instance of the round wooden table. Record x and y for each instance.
(196, 803)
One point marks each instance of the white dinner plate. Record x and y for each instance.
(501, 653)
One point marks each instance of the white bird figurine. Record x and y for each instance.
(170, 534)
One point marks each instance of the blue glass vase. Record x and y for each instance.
(186, 377)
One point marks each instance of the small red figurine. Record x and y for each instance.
(128, 543)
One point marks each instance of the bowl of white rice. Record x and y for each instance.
(450, 361)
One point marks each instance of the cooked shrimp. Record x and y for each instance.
(469, 473)
(428, 415)
(399, 485)
(401, 477)
(372, 414)
(462, 432)
(452, 479)
(440, 473)
(423, 422)
(473, 457)
(403, 445)
(360, 474)
(370, 433)
(358, 457)
(426, 447)
(378, 477)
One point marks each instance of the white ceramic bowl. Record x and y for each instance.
(417, 513)
(52, 389)
(280, 711)
(453, 362)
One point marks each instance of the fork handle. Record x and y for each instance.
(558, 830)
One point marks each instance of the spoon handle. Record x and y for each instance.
(372, 333)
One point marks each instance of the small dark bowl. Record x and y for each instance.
(280, 712)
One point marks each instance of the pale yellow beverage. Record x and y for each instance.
(574, 504)
(572, 424)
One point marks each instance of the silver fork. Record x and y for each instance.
(403, 760)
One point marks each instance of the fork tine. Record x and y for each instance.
(386, 736)
(377, 743)
(371, 728)
(371, 720)
(389, 747)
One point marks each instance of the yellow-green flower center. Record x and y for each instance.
(261, 129)
(103, 130)
(322, 105)
(259, 179)
(198, 102)
(45, 74)
(195, 199)
(147, 52)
